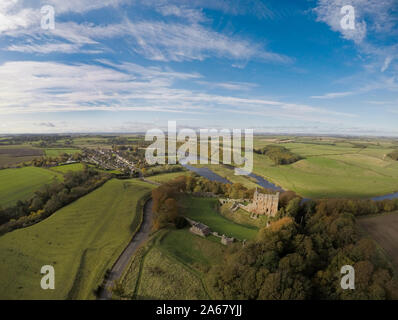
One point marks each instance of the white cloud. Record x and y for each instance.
(334, 95)
(370, 16)
(183, 40)
(386, 64)
(34, 87)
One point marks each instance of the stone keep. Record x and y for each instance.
(263, 204)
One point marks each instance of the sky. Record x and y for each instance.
(274, 66)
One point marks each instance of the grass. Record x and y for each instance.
(192, 250)
(68, 167)
(164, 279)
(20, 184)
(81, 241)
(165, 177)
(242, 217)
(55, 152)
(333, 171)
(205, 210)
(172, 265)
(229, 174)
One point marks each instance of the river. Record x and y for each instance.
(209, 174)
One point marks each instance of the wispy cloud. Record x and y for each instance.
(186, 39)
(31, 87)
(334, 95)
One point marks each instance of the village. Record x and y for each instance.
(108, 160)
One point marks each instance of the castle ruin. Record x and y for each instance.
(263, 204)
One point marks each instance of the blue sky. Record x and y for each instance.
(127, 66)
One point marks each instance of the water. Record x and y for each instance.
(265, 183)
(209, 174)
(386, 197)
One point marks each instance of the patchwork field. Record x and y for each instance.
(20, 184)
(12, 155)
(68, 167)
(54, 152)
(334, 169)
(384, 230)
(173, 266)
(81, 241)
(204, 210)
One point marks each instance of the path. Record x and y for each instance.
(141, 236)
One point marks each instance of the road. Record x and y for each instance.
(140, 237)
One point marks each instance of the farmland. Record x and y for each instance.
(164, 177)
(328, 171)
(81, 241)
(332, 167)
(172, 266)
(20, 184)
(55, 152)
(384, 230)
(12, 155)
(68, 167)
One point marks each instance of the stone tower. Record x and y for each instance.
(263, 204)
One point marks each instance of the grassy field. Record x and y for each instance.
(204, 210)
(55, 152)
(242, 217)
(20, 184)
(384, 230)
(173, 265)
(81, 241)
(164, 279)
(68, 167)
(333, 168)
(165, 177)
(229, 174)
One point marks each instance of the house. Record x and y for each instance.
(200, 229)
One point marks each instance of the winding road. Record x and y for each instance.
(140, 237)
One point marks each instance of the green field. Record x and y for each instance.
(55, 152)
(229, 174)
(165, 177)
(204, 210)
(68, 167)
(339, 170)
(20, 184)
(81, 241)
(173, 266)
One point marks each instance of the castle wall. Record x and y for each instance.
(263, 204)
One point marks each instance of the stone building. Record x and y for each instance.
(200, 229)
(226, 240)
(263, 204)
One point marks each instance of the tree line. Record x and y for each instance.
(299, 255)
(280, 155)
(51, 198)
(394, 155)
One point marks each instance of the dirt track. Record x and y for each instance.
(140, 237)
(384, 230)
